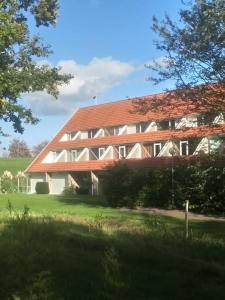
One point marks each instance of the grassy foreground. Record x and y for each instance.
(14, 164)
(80, 249)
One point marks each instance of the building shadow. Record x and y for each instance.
(50, 258)
(88, 200)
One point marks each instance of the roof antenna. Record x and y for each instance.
(95, 100)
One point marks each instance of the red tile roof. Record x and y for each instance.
(123, 112)
(99, 165)
(118, 113)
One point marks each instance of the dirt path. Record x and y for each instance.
(176, 214)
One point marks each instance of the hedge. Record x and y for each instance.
(202, 182)
(42, 188)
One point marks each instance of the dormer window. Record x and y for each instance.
(74, 155)
(101, 151)
(144, 126)
(157, 148)
(138, 128)
(122, 152)
(184, 148)
(90, 134)
(72, 135)
(172, 124)
(116, 130)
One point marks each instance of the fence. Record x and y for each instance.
(14, 184)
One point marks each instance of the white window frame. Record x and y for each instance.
(124, 152)
(154, 148)
(187, 147)
(99, 152)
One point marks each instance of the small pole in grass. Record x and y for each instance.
(186, 218)
(18, 184)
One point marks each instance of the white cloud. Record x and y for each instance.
(93, 79)
(161, 61)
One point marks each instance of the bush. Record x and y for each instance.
(42, 188)
(82, 191)
(121, 185)
(201, 182)
(69, 191)
(8, 183)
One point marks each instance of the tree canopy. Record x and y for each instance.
(20, 71)
(38, 148)
(194, 52)
(18, 148)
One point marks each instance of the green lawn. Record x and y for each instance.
(80, 249)
(14, 164)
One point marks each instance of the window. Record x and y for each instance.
(138, 128)
(122, 151)
(109, 131)
(101, 151)
(157, 148)
(172, 124)
(72, 135)
(144, 126)
(184, 148)
(74, 155)
(84, 135)
(116, 130)
(90, 134)
(163, 125)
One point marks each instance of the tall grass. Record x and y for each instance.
(103, 258)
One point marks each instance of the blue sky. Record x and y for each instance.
(105, 44)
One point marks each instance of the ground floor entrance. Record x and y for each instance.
(87, 181)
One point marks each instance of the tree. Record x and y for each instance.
(19, 51)
(38, 148)
(194, 54)
(18, 148)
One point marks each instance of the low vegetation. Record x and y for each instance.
(78, 248)
(42, 188)
(201, 182)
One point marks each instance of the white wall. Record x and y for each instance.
(58, 183)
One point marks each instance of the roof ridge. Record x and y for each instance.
(122, 100)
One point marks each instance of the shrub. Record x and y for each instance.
(42, 188)
(7, 182)
(69, 191)
(82, 191)
(201, 182)
(121, 185)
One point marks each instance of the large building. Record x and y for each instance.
(98, 136)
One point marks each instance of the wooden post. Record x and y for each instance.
(18, 184)
(186, 218)
(27, 182)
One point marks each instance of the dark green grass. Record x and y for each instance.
(14, 164)
(81, 249)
